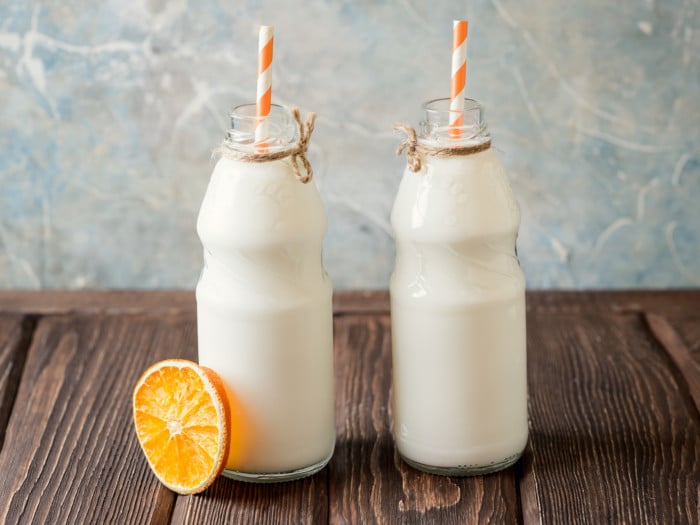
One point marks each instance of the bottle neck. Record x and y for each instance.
(250, 133)
(437, 131)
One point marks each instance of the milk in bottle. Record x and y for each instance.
(264, 314)
(457, 303)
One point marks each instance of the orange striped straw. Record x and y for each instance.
(459, 76)
(264, 92)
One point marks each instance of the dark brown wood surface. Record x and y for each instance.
(14, 333)
(614, 393)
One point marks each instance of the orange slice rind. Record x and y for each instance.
(183, 422)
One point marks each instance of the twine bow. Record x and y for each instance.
(416, 150)
(297, 153)
(410, 144)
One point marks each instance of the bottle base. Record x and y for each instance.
(276, 477)
(465, 470)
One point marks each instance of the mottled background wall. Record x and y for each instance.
(109, 112)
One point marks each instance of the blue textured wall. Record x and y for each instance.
(109, 112)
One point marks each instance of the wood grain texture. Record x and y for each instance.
(680, 354)
(615, 430)
(15, 333)
(168, 302)
(687, 326)
(531, 513)
(296, 502)
(153, 302)
(361, 302)
(115, 302)
(612, 440)
(368, 482)
(617, 301)
(70, 451)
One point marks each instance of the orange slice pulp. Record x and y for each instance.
(183, 422)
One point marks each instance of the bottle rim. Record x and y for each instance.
(436, 128)
(250, 132)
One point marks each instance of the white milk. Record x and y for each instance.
(264, 317)
(458, 318)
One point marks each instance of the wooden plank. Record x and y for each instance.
(679, 353)
(70, 451)
(15, 333)
(676, 302)
(612, 439)
(125, 302)
(153, 302)
(618, 301)
(687, 327)
(167, 302)
(348, 302)
(368, 482)
(529, 491)
(295, 502)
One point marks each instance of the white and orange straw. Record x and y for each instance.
(459, 76)
(264, 92)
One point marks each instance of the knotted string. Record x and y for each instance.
(305, 131)
(415, 150)
(410, 144)
(297, 153)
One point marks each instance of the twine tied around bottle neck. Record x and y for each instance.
(415, 150)
(297, 152)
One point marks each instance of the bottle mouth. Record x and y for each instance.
(249, 132)
(436, 128)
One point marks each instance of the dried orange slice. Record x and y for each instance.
(183, 421)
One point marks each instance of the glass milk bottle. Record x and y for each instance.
(264, 314)
(457, 303)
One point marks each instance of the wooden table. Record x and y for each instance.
(614, 384)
